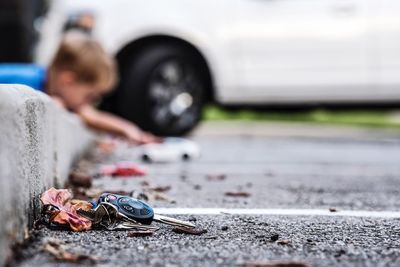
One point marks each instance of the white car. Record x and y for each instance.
(174, 55)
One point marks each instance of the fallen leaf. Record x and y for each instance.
(64, 211)
(160, 188)
(145, 183)
(189, 231)
(58, 251)
(140, 233)
(78, 179)
(237, 194)
(274, 264)
(283, 242)
(216, 177)
(81, 204)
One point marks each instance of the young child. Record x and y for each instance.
(80, 73)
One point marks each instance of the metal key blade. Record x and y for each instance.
(88, 214)
(95, 215)
(172, 221)
(130, 226)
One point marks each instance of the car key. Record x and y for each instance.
(137, 210)
(108, 217)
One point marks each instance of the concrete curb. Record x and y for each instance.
(39, 142)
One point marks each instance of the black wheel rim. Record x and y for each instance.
(175, 95)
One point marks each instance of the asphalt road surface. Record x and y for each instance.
(322, 196)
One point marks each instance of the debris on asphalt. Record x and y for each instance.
(61, 210)
(160, 189)
(237, 194)
(139, 233)
(197, 187)
(78, 179)
(333, 210)
(106, 146)
(216, 177)
(155, 193)
(189, 231)
(192, 219)
(283, 242)
(122, 169)
(274, 264)
(224, 228)
(274, 237)
(339, 253)
(60, 253)
(210, 237)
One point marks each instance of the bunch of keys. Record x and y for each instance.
(116, 212)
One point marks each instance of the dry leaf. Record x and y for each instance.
(78, 179)
(273, 264)
(66, 211)
(237, 194)
(189, 231)
(81, 204)
(59, 252)
(160, 188)
(216, 177)
(140, 233)
(283, 242)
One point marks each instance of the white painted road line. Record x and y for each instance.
(289, 212)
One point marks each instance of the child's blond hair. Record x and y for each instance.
(82, 55)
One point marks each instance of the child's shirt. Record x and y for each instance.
(28, 74)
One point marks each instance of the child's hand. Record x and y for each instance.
(135, 135)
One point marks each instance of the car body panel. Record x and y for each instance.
(269, 51)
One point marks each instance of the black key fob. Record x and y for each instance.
(130, 207)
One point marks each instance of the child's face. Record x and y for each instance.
(79, 94)
(74, 93)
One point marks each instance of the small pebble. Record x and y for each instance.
(192, 219)
(197, 187)
(274, 237)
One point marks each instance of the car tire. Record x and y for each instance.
(162, 90)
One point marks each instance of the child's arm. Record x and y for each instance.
(107, 122)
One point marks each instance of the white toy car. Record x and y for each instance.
(171, 149)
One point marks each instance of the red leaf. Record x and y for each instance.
(61, 198)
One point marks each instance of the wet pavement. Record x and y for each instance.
(278, 166)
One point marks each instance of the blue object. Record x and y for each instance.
(28, 74)
(130, 207)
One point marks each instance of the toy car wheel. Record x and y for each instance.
(186, 157)
(146, 158)
(162, 91)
